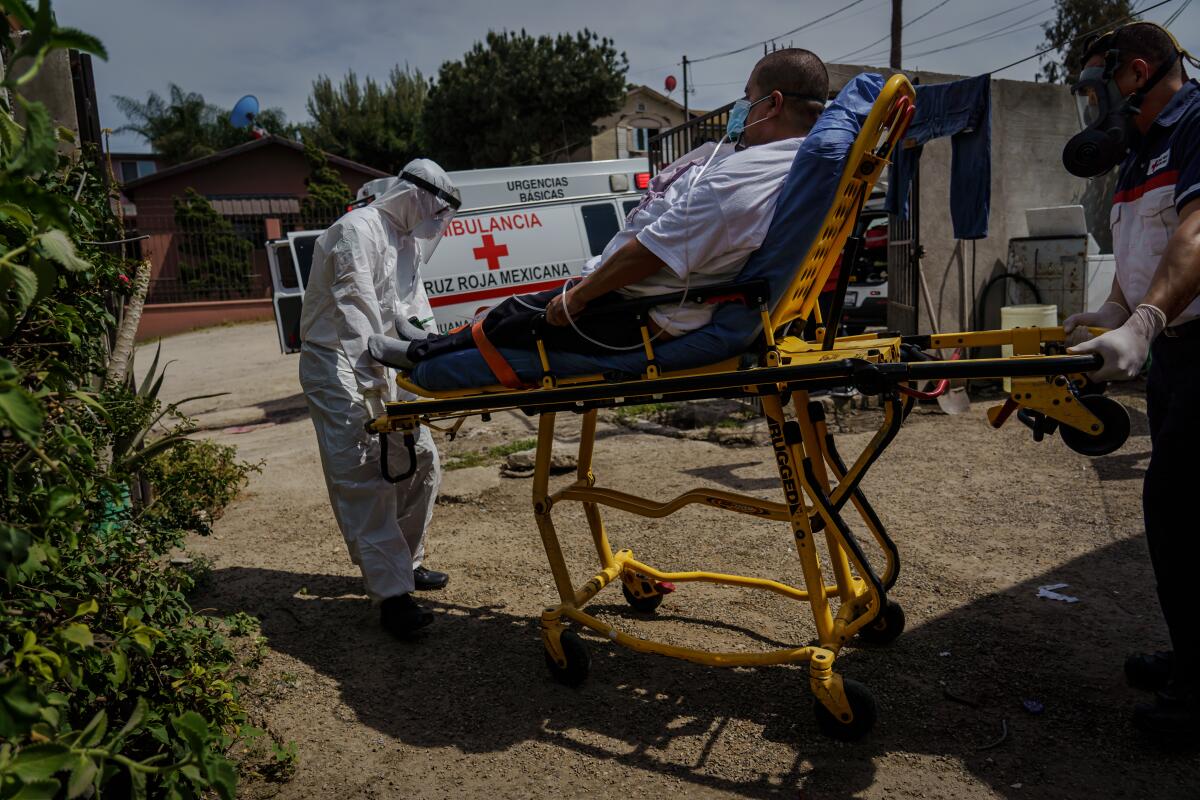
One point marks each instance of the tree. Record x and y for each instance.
(183, 126)
(214, 261)
(327, 194)
(373, 124)
(1073, 18)
(515, 98)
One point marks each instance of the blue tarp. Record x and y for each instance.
(806, 197)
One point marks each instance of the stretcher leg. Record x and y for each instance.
(847, 589)
(871, 519)
(788, 461)
(585, 476)
(541, 509)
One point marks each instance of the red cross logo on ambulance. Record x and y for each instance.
(490, 251)
(488, 256)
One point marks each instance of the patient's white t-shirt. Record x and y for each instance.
(710, 235)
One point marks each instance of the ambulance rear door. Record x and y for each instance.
(290, 261)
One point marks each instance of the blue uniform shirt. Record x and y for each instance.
(1157, 180)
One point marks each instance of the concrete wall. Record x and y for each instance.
(1030, 124)
(167, 319)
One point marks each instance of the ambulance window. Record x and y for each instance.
(287, 271)
(602, 224)
(302, 248)
(630, 205)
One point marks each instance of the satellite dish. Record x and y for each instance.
(244, 112)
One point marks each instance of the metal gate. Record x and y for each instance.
(904, 259)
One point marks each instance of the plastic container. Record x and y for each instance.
(1033, 315)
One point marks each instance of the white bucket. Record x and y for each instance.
(1026, 316)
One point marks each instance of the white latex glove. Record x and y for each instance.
(1125, 349)
(373, 402)
(1111, 315)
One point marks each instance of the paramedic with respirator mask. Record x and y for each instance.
(1142, 112)
(699, 221)
(364, 277)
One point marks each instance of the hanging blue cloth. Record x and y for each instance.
(961, 110)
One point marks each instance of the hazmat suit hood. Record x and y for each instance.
(421, 203)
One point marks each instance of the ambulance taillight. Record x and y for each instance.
(641, 180)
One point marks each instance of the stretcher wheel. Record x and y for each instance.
(578, 660)
(1116, 427)
(862, 705)
(643, 605)
(888, 625)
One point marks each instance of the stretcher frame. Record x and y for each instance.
(1049, 391)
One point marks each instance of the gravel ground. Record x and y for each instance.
(982, 517)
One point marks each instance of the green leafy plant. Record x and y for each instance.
(109, 682)
(516, 98)
(374, 123)
(214, 260)
(327, 193)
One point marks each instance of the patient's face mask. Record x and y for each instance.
(737, 118)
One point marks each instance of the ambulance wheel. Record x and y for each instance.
(578, 660)
(642, 605)
(862, 706)
(888, 625)
(1116, 427)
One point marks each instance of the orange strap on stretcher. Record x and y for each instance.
(496, 362)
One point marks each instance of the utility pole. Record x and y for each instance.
(686, 119)
(897, 24)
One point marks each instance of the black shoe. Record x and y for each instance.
(428, 580)
(401, 616)
(1174, 715)
(1150, 671)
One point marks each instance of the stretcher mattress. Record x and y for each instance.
(807, 194)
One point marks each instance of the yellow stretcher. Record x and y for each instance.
(1048, 392)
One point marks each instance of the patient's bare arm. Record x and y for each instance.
(630, 264)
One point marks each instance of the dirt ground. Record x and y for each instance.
(983, 518)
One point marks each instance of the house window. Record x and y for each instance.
(641, 138)
(132, 170)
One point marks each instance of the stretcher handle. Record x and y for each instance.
(410, 442)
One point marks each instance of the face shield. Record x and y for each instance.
(430, 231)
(440, 202)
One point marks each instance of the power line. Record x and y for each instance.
(920, 17)
(974, 22)
(776, 37)
(1001, 31)
(1098, 29)
(654, 69)
(1004, 31)
(1178, 11)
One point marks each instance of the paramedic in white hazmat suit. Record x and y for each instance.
(364, 278)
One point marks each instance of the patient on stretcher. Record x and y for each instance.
(699, 221)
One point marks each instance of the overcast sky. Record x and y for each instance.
(274, 48)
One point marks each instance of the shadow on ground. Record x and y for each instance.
(484, 687)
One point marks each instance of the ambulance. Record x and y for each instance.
(520, 229)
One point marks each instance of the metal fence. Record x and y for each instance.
(224, 256)
(675, 142)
